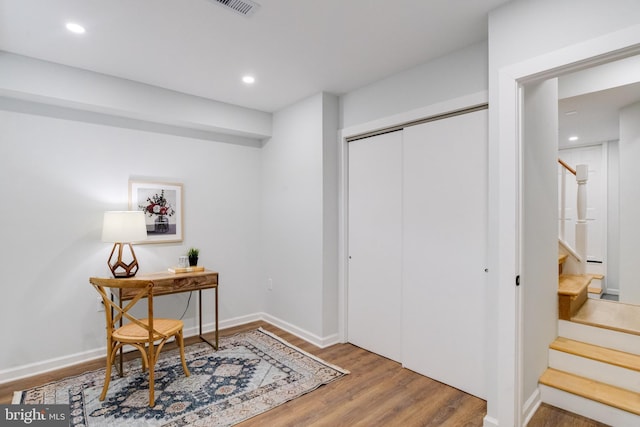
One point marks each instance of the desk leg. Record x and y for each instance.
(216, 291)
(215, 346)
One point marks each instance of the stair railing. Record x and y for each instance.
(579, 249)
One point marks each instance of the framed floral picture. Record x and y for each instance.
(162, 204)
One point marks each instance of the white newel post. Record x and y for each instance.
(582, 175)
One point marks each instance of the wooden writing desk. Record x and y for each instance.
(166, 283)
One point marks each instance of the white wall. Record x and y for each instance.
(60, 176)
(298, 219)
(330, 173)
(527, 35)
(629, 147)
(457, 74)
(74, 138)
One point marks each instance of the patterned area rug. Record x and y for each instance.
(251, 373)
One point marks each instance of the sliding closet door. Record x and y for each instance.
(375, 245)
(444, 250)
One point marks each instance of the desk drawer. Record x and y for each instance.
(175, 284)
(185, 284)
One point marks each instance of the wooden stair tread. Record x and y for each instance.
(597, 276)
(600, 392)
(600, 354)
(573, 284)
(611, 315)
(562, 258)
(594, 290)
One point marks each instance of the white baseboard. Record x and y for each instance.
(488, 421)
(531, 406)
(301, 333)
(32, 369)
(192, 331)
(41, 367)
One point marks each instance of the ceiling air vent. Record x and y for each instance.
(243, 7)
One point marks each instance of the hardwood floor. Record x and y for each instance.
(549, 416)
(378, 392)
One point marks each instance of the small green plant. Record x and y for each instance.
(193, 252)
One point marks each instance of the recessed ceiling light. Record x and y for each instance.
(249, 79)
(573, 138)
(75, 28)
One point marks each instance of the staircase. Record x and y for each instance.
(594, 365)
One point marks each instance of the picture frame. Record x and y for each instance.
(162, 204)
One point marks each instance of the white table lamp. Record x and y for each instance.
(122, 228)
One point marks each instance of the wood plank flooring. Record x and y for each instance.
(378, 392)
(550, 416)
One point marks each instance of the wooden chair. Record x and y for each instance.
(139, 333)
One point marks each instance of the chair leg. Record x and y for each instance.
(181, 345)
(107, 376)
(152, 368)
(143, 359)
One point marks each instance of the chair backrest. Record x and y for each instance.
(114, 313)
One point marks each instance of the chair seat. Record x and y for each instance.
(134, 333)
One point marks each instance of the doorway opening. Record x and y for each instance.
(607, 153)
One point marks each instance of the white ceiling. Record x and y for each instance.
(295, 48)
(596, 114)
(593, 97)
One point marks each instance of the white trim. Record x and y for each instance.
(594, 51)
(489, 421)
(228, 323)
(321, 342)
(531, 406)
(416, 114)
(503, 206)
(519, 362)
(343, 240)
(32, 369)
(567, 146)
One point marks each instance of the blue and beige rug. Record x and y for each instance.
(251, 373)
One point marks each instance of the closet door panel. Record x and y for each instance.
(444, 250)
(375, 216)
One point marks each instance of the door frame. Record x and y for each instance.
(505, 139)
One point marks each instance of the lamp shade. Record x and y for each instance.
(124, 227)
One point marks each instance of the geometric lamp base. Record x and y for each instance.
(118, 267)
